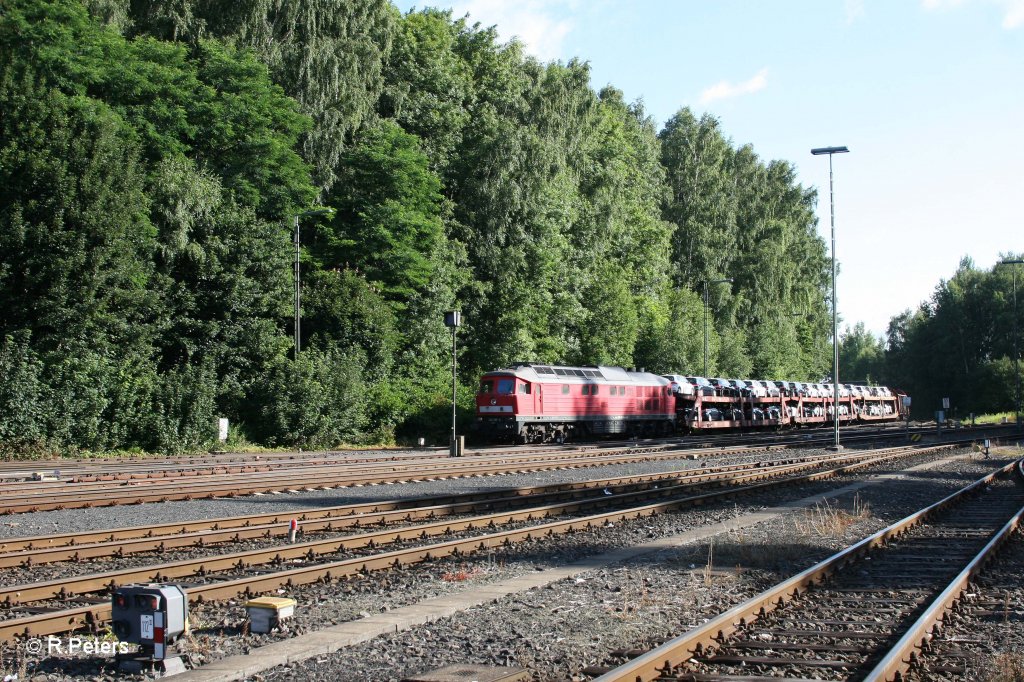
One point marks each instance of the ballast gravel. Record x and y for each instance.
(124, 516)
(558, 630)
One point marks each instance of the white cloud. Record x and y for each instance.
(854, 10)
(539, 24)
(727, 90)
(1014, 16)
(1013, 10)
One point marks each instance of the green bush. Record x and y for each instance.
(316, 401)
(23, 399)
(184, 410)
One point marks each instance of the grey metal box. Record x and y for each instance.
(152, 615)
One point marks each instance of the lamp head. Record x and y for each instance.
(321, 211)
(829, 150)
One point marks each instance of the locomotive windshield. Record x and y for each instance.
(505, 386)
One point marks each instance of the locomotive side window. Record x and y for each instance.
(524, 387)
(506, 386)
(565, 389)
(486, 386)
(593, 390)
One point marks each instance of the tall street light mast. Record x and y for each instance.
(835, 324)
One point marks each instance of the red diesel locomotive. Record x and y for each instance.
(533, 403)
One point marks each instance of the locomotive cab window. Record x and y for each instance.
(524, 387)
(486, 386)
(506, 386)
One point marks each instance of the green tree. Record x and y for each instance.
(697, 159)
(958, 344)
(672, 340)
(428, 85)
(328, 55)
(861, 356)
(75, 245)
(24, 397)
(388, 223)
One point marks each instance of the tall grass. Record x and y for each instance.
(996, 418)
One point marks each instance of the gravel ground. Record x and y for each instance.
(63, 521)
(558, 630)
(58, 570)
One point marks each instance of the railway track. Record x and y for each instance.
(86, 490)
(101, 494)
(143, 468)
(255, 571)
(977, 640)
(34, 550)
(863, 614)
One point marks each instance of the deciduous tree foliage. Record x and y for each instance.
(327, 54)
(737, 218)
(960, 343)
(154, 155)
(861, 356)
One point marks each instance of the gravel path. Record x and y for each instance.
(558, 630)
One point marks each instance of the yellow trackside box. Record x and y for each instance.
(266, 613)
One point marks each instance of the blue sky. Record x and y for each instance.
(927, 94)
